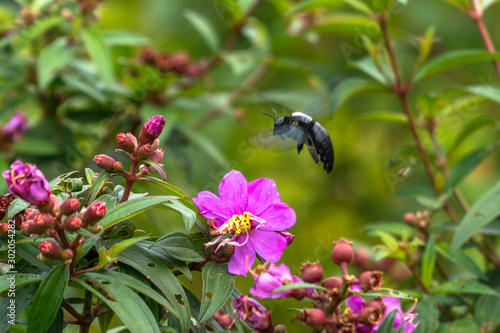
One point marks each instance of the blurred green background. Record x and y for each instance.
(362, 187)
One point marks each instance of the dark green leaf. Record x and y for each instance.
(188, 215)
(82, 85)
(479, 215)
(463, 167)
(29, 252)
(20, 279)
(428, 315)
(18, 205)
(100, 54)
(58, 323)
(24, 296)
(351, 87)
(131, 208)
(487, 313)
(460, 326)
(35, 30)
(52, 58)
(428, 261)
(463, 287)
(125, 303)
(452, 59)
(386, 325)
(116, 248)
(48, 299)
(98, 184)
(179, 246)
(218, 284)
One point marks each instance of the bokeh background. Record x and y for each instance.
(364, 184)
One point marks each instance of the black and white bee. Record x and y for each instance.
(301, 128)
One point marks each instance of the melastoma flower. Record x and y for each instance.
(151, 130)
(27, 182)
(15, 127)
(250, 213)
(274, 277)
(253, 313)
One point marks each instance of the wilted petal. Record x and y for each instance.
(279, 217)
(233, 192)
(237, 264)
(269, 245)
(261, 193)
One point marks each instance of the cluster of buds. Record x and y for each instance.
(339, 307)
(145, 148)
(420, 220)
(178, 62)
(50, 218)
(13, 130)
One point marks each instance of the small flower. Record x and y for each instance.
(251, 213)
(151, 130)
(274, 277)
(27, 182)
(15, 127)
(253, 313)
(94, 213)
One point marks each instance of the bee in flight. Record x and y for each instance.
(302, 128)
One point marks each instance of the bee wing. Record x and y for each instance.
(265, 139)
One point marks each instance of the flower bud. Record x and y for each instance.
(157, 156)
(342, 252)
(51, 205)
(155, 144)
(225, 321)
(94, 228)
(144, 151)
(151, 130)
(118, 166)
(27, 182)
(19, 218)
(50, 250)
(313, 317)
(31, 227)
(44, 220)
(163, 62)
(104, 161)
(280, 328)
(127, 142)
(370, 281)
(4, 228)
(72, 223)
(69, 206)
(180, 62)
(332, 282)
(410, 218)
(15, 127)
(67, 254)
(288, 237)
(147, 56)
(94, 213)
(312, 272)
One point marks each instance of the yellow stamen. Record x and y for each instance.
(238, 224)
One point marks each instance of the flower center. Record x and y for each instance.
(14, 178)
(238, 224)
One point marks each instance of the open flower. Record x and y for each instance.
(253, 313)
(274, 277)
(250, 213)
(27, 182)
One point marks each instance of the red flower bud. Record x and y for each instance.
(50, 250)
(370, 281)
(19, 218)
(69, 206)
(44, 220)
(151, 130)
(94, 213)
(51, 205)
(280, 328)
(32, 228)
(144, 151)
(312, 272)
(104, 161)
(4, 228)
(342, 252)
(157, 156)
(163, 62)
(313, 317)
(180, 62)
(127, 142)
(72, 223)
(332, 282)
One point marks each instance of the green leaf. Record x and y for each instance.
(123, 38)
(116, 248)
(100, 54)
(386, 325)
(314, 4)
(428, 314)
(428, 261)
(463, 167)
(460, 326)
(188, 215)
(487, 91)
(179, 246)
(367, 66)
(469, 129)
(463, 287)
(52, 58)
(98, 184)
(463, 5)
(29, 253)
(35, 30)
(20, 279)
(299, 285)
(159, 168)
(48, 299)
(360, 5)
(18, 205)
(24, 296)
(382, 5)
(231, 6)
(383, 116)
(487, 313)
(395, 228)
(423, 194)
(218, 284)
(204, 28)
(131, 208)
(348, 24)
(125, 303)
(82, 85)
(351, 87)
(452, 59)
(160, 275)
(462, 260)
(479, 215)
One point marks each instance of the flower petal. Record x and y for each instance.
(279, 217)
(211, 206)
(237, 263)
(233, 191)
(269, 245)
(261, 194)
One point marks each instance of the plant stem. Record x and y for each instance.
(131, 178)
(72, 311)
(87, 306)
(476, 14)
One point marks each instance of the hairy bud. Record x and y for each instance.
(144, 151)
(313, 317)
(50, 250)
(127, 142)
(94, 213)
(312, 272)
(104, 161)
(342, 252)
(69, 206)
(72, 223)
(332, 283)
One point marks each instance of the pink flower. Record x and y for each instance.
(253, 313)
(251, 213)
(27, 182)
(276, 276)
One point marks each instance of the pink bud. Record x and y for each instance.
(312, 272)
(104, 161)
(342, 252)
(127, 142)
(144, 151)
(72, 223)
(94, 213)
(69, 206)
(157, 156)
(151, 130)
(50, 250)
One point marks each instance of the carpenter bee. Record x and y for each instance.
(301, 128)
